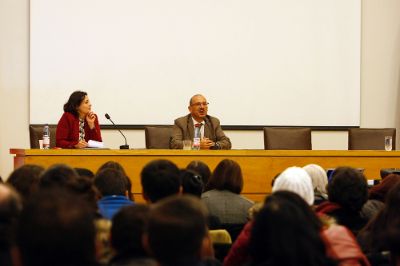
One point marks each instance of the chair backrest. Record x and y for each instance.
(36, 133)
(284, 138)
(370, 138)
(157, 137)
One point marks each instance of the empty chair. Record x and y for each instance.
(284, 138)
(36, 133)
(157, 137)
(370, 138)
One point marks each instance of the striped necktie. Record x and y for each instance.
(197, 130)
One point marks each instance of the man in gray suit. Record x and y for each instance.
(208, 127)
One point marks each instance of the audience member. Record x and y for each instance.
(297, 180)
(319, 180)
(56, 228)
(347, 193)
(25, 179)
(112, 186)
(128, 227)
(177, 232)
(159, 179)
(222, 196)
(192, 183)
(377, 195)
(376, 236)
(78, 124)
(59, 175)
(84, 172)
(287, 232)
(201, 168)
(10, 208)
(209, 128)
(119, 167)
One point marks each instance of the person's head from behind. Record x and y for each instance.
(111, 182)
(119, 167)
(319, 179)
(56, 228)
(159, 179)
(198, 107)
(286, 231)
(58, 175)
(379, 191)
(201, 168)
(10, 208)
(177, 230)
(227, 175)
(78, 104)
(84, 172)
(25, 179)
(348, 188)
(191, 183)
(295, 179)
(128, 227)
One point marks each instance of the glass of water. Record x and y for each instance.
(388, 143)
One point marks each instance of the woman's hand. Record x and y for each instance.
(90, 118)
(81, 144)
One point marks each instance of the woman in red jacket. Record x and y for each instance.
(78, 124)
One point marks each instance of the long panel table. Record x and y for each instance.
(258, 166)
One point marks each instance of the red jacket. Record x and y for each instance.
(67, 134)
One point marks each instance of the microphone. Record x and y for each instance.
(122, 147)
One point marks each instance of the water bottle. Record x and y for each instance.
(46, 137)
(196, 143)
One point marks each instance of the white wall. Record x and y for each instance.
(380, 81)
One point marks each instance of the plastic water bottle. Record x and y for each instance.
(46, 137)
(196, 143)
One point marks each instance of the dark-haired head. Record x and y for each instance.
(286, 231)
(74, 101)
(119, 167)
(84, 172)
(191, 182)
(159, 179)
(56, 228)
(348, 188)
(226, 176)
(128, 227)
(59, 175)
(25, 179)
(176, 230)
(201, 168)
(110, 182)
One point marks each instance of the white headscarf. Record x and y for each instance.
(318, 176)
(295, 179)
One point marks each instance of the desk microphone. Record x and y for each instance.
(122, 147)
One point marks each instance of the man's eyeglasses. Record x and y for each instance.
(200, 104)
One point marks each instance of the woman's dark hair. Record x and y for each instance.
(286, 231)
(381, 228)
(25, 179)
(201, 168)
(118, 166)
(192, 183)
(226, 176)
(74, 102)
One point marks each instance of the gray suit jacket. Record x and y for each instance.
(184, 129)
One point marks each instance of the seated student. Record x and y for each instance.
(25, 179)
(192, 183)
(159, 179)
(319, 180)
(376, 236)
(78, 124)
(59, 175)
(199, 124)
(119, 167)
(128, 227)
(56, 228)
(112, 186)
(201, 168)
(287, 232)
(222, 194)
(177, 232)
(10, 209)
(347, 193)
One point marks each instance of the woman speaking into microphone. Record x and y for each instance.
(78, 124)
